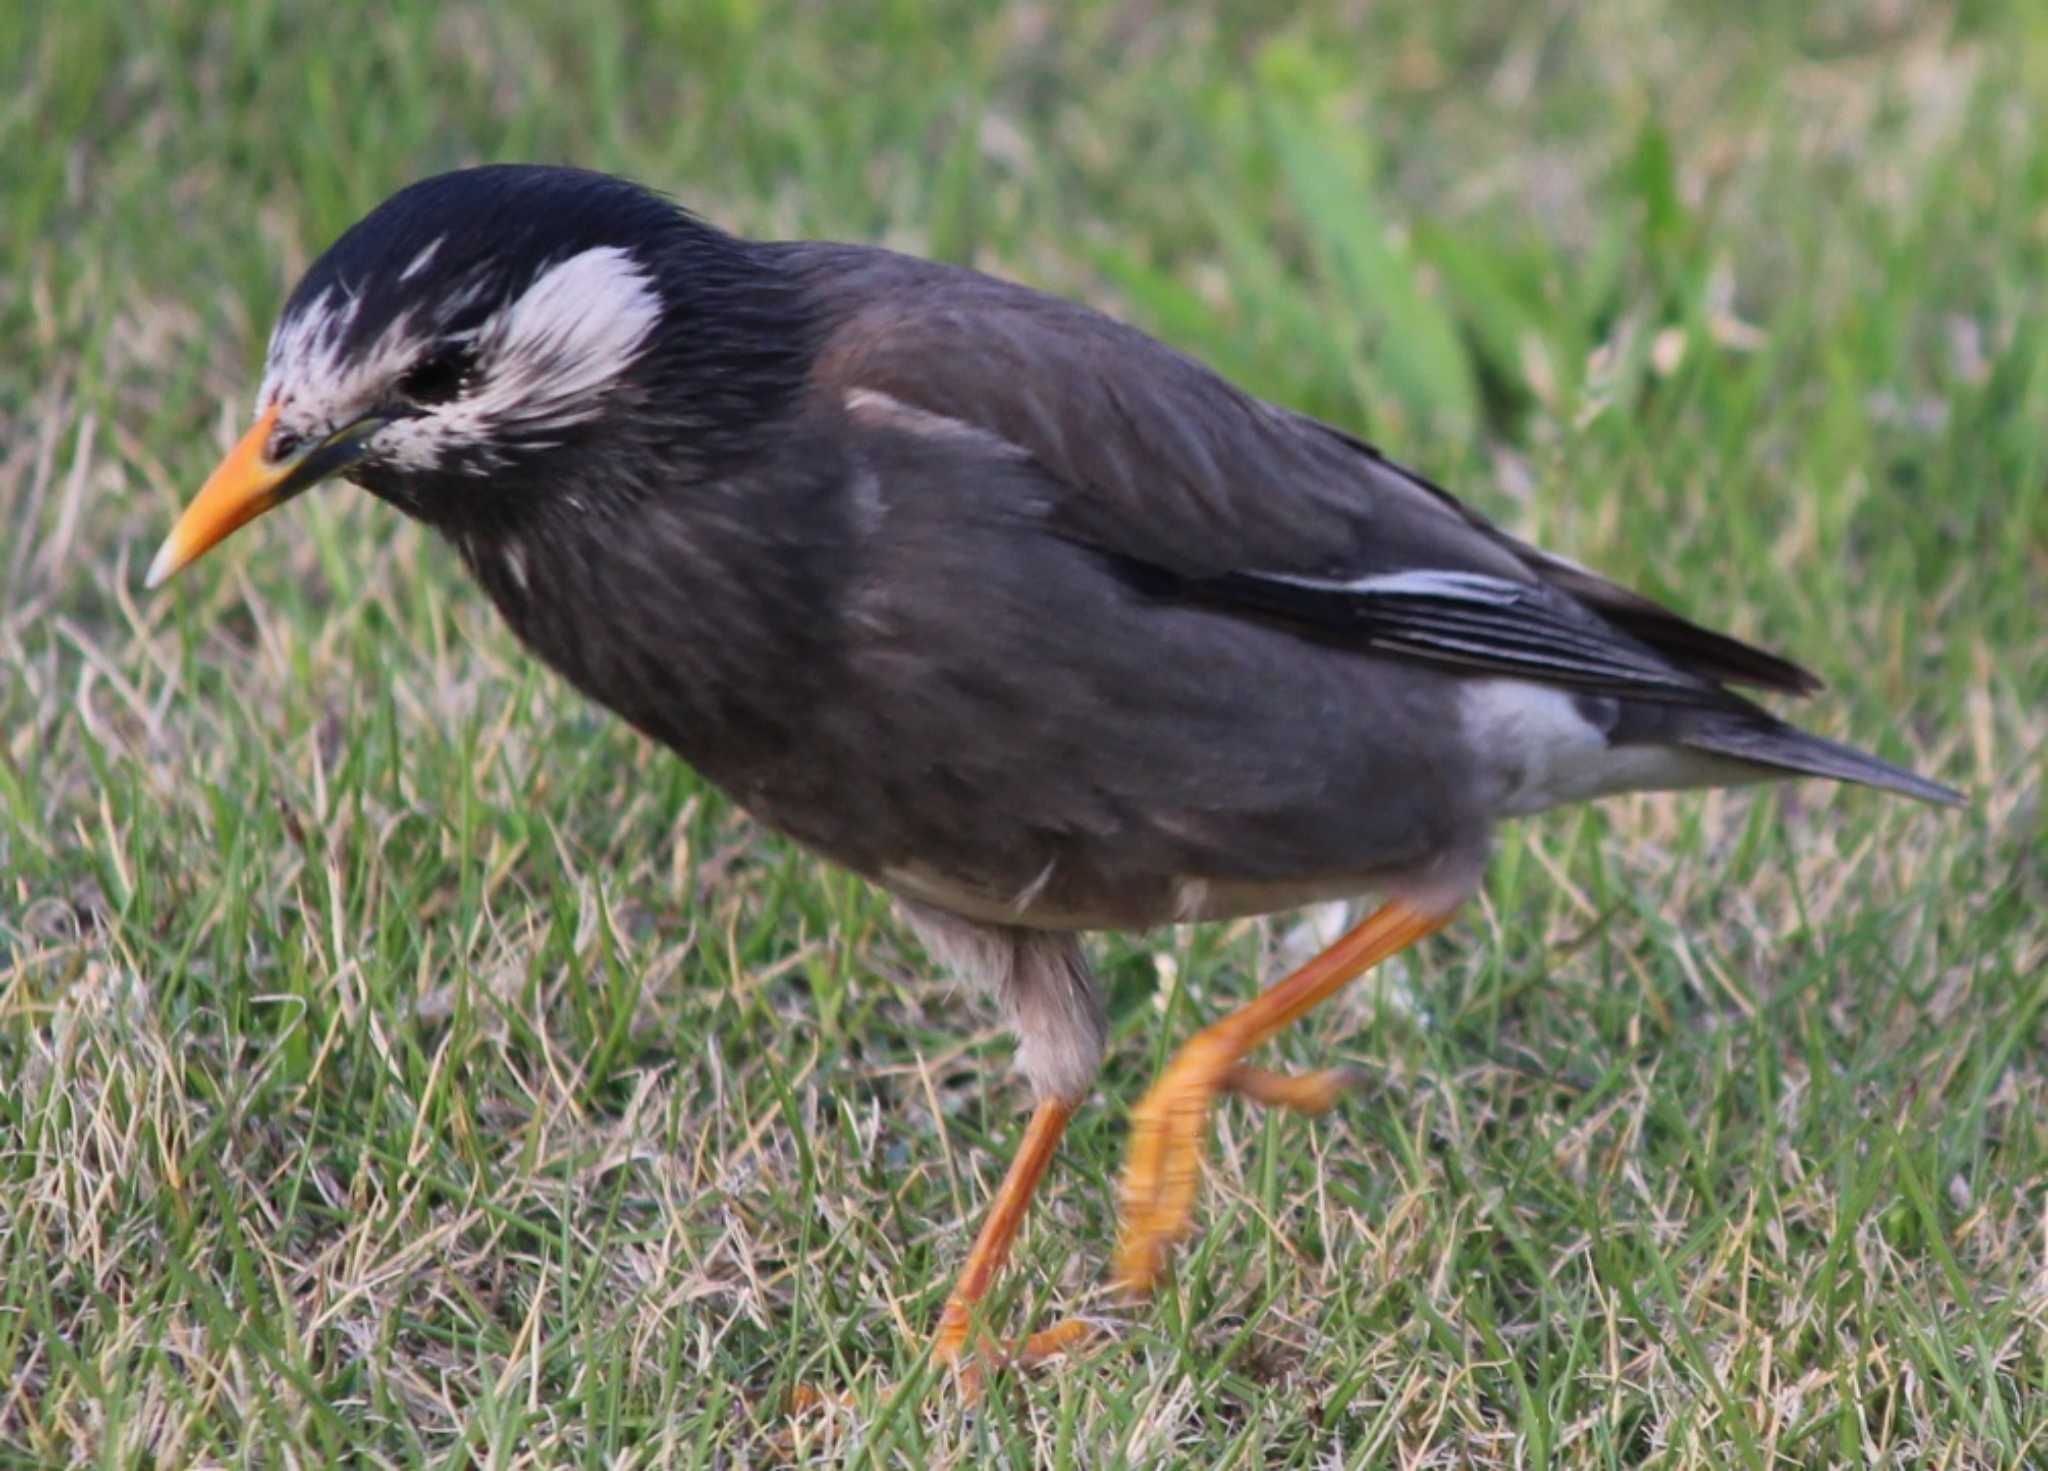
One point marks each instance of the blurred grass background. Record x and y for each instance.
(401, 1064)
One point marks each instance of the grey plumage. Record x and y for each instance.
(1003, 604)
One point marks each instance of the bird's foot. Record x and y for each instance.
(1169, 1131)
(1062, 1338)
(1163, 1165)
(949, 1351)
(986, 1258)
(1304, 1093)
(1169, 1127)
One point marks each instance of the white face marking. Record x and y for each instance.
(543, 362)
(546, 360)
(317, 390)
(419, 262)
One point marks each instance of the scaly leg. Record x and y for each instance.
(992, 1249)
(1169, 1127)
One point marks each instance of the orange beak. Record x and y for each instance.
(249, 482)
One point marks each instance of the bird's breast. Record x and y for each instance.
(717, 650)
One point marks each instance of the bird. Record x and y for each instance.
(1029, 619)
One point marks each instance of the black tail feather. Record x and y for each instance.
(1774, 743)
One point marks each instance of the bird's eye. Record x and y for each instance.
(437, 377)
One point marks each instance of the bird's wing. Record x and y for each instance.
(1201, 492)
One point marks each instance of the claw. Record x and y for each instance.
(1067, 1336)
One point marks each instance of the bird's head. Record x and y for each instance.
(497, 336)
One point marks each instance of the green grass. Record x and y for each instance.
(402, 1064)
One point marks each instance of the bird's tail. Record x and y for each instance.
(1770, 742)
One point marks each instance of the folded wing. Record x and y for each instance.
(1197, 490)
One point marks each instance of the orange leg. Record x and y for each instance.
(992, 1248)
(1169, 1127)
(985, 1259)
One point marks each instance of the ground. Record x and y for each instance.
(400, 1063)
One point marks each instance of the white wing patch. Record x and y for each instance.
(872, 407)
(1463, 587)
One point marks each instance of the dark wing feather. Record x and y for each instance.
(1204, 492)
(1474, 622)
(1162, 460)
(1701, 650)
(1713, 655)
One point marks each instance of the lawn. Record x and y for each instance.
(401, 1063)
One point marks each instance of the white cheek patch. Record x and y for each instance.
(577, 328)
(543, 362)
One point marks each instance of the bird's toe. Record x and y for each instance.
(1305, 1093)
(1163, 1168)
